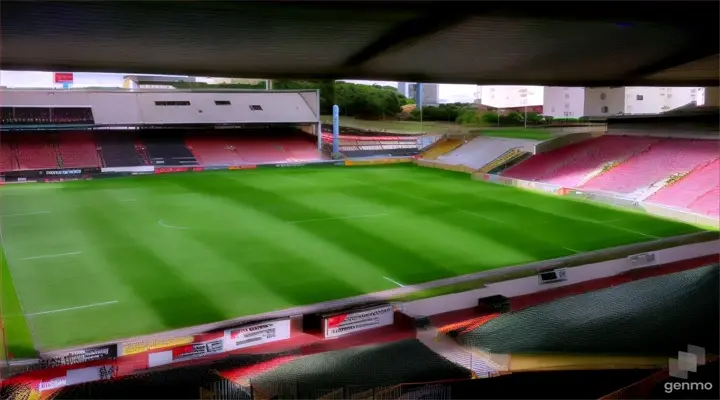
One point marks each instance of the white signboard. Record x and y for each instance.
(344, 324)
(256, 334)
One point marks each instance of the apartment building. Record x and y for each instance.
(571, 102)
(509, 96)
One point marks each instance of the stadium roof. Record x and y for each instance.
(162, 107)
(544, 43)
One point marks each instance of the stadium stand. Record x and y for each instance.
(78, 149)
(697, 191)
(482, 150)
(648, 317)
(368, 366)
(36, 151)
(182, 382)
(443, 146)
(212, 150)
(8, 156)
(119, 150)
(569, 166)
(167, 148)
(708, 203)
(467, 325)
(663, 159)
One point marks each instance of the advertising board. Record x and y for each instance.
(377, 161)
(256, 334)
(141, 346)
(168, 170)
(197, 350)
(52, 384)
(91, 354)
(49, 174)
(239, 167)
(346, 323)
(63, 77)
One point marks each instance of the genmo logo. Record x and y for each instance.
(687, 361)
(685, 386)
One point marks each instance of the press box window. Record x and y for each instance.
(604, 109)
(256, 107)
(222, 102)
(172, 103)
(639, 97)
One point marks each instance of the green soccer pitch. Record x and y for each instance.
(107, 259)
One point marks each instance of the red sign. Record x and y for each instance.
(64, 77)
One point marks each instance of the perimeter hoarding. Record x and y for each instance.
(197, 350)
(337, 325)
(256, 334)
(141, 346)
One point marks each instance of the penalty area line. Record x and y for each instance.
(72, 308)
(395, 282)
(334, 218)
(52, 255)
(163, 224)
(25, 214)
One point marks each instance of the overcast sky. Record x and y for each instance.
(38, 79)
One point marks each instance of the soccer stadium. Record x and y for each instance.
(231, 244)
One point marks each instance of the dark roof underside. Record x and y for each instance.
(545, 43)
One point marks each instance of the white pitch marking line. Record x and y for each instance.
(25, 214)
(73, 308)
(161, 223)
(332, 218)
(395, 282)
(52, 255)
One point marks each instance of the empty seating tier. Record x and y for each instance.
(36, 151)
(8, 158)
(482, 150)
(696, 191)
(78, 149)
(118, 150)
(374, 365)
(213, 150)
(660, 161)
(650, 317)
(570, 165)
(168, 149)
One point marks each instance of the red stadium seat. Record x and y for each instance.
(78, 149)
(36, 151)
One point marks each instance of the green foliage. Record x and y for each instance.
(469, 117)
(443, 112)
(514, 119)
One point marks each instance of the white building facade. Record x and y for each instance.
(568, 102)
(509, 96)
(563, 102)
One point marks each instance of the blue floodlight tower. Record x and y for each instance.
(336, 129)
